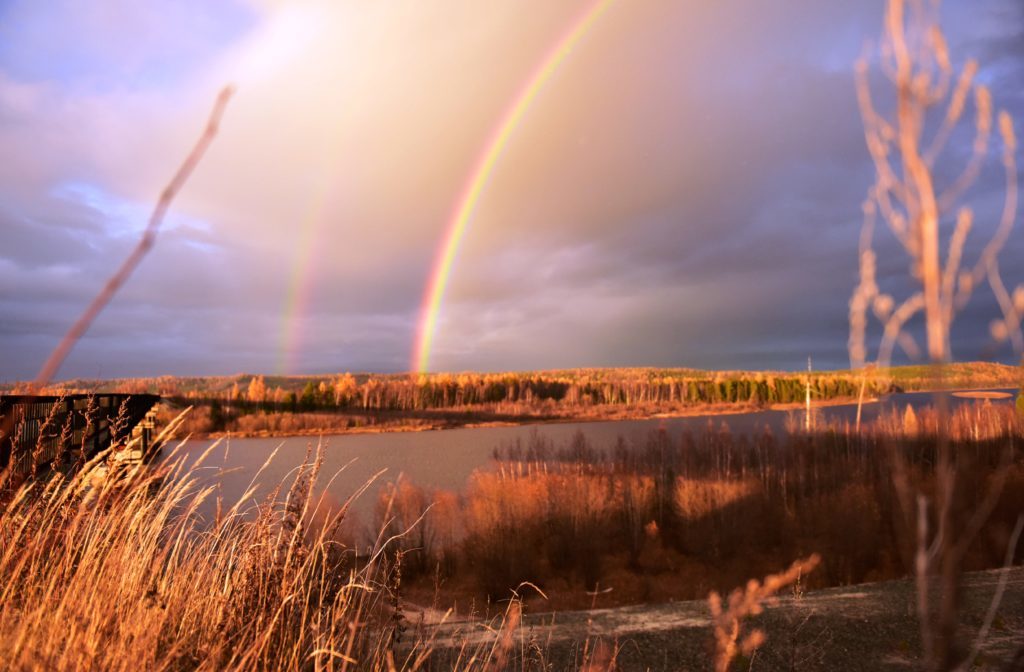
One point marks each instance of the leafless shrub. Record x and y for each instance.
(119, 423)
(746, 602)
(67, 433)
(91, 415)
(45, 436)
(418, 520)
(915, 59)
(907, 197)
(696, 499)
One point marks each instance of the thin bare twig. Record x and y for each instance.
(915, 58)
(82, 324)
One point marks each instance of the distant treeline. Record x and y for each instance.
(531, 391)
(546, 391)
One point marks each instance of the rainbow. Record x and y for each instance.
(300, 285)
(481, 173)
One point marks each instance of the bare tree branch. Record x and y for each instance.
(953, 112)
(82, 324)
(914, 55)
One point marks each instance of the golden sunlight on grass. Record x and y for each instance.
(123, 574)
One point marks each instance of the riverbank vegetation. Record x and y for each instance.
(285, 582)
(253, 405)
(119, 572)
(682, 515)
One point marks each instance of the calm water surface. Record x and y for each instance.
(446, 459)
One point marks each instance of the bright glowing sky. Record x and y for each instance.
(685, 191)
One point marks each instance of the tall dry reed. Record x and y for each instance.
(118, 571)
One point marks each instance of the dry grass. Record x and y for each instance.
(120, 573)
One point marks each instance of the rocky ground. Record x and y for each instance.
(867, 627)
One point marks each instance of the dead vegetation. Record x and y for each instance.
(121, 573)
(946, 515)
(678, 516)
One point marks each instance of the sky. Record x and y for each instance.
(685, 190)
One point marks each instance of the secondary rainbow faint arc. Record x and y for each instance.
(474, 186)
(300, 281)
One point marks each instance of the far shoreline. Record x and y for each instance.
(622, 414)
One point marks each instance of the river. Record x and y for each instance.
(445, 459)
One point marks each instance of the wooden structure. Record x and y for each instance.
(39, 431)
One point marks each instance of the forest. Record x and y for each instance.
(262, 405)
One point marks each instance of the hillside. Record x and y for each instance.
(852, 629)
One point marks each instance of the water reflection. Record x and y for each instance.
(446, 459)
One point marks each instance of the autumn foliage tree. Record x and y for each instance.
(257, 392)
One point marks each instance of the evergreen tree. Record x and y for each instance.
(308, 399)
(216, 415)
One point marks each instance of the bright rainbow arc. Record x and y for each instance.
(478, 178)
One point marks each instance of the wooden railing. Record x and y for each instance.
(41, 430)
